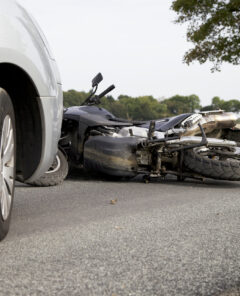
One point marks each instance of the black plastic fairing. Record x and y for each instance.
(163, 125)
(93, 116)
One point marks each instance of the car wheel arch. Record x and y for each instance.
(22, 90)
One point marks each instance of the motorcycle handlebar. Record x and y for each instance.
(110, 88)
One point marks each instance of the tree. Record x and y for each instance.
(217, 103)
(182, 104)
(229, 106)
(147, 107)
(214, 28)
(73, 98)
(207, 108)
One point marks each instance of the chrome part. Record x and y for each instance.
(191, 120)
(140, 132)
(236, 151)
(197, 140)
(176, 131)
(7, 160)
(227, 152)
(134, 131)
(55, 166)
(211, 112)
(212, 122)
(220, 154)
(159, 135)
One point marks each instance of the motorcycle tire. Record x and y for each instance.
(56, 173)
(233, 135)
(212, 168)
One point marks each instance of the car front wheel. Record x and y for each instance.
(7, 161)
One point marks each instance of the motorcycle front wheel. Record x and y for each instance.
(56, 173)
(213, 166)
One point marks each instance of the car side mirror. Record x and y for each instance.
(97, 79)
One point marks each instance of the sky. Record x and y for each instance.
(133, 43)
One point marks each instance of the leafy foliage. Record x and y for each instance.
(74, 98)
(147, 107)
(231, 106)
(182, 104)
(213, 27)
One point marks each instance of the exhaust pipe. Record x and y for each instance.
(211, 142)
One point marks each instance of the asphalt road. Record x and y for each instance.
(162, 238)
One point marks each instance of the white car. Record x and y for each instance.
(30, 104)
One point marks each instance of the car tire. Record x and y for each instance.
(7, 161)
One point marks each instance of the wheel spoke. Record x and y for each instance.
(9, 181)
(9, 192)
(8, 152)
(7, 166)
(6, 133)
(5, 202)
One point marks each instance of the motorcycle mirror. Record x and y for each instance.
(97, 79)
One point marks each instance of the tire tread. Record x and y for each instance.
(212, 168)
(55, 178)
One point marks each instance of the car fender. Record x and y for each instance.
(23, 44)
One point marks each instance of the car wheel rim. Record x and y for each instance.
(7, 161)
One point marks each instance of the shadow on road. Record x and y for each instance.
(78, 175)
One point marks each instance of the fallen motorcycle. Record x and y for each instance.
(195, 145)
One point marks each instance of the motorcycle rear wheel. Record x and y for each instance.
(221, 169)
